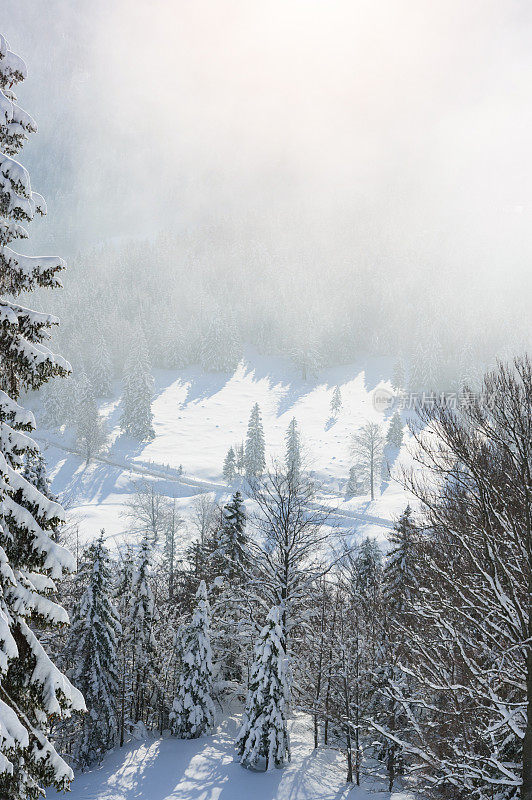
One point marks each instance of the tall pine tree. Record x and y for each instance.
(137, 417)
(93, 649)
(101, 369)
(192, 712)
(336, 401)
(255, 459)
(292, 457)
(33, 691)
(263, 741)
(233, 543)
(90, 432)
(229, 469)
(394, 434)
(141, 632)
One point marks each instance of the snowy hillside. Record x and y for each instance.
(199, 415)
(206, 769)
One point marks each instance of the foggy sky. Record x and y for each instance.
(398, 132)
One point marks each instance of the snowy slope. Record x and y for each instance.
(205, 769)
(198, 416)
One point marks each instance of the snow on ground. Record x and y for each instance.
(198, 416)
(206, 769)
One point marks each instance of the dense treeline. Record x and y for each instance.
(165, 291)
(416, 663)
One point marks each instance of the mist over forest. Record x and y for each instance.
(358, 181)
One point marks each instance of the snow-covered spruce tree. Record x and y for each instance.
(307, 357)
(232, 560)
(394, 435)
(93, 650)
(141, 632)
(52, 413)
(90, 432)
(255, 459)
(220, 349)
(137, 417)
(353, 487)
(233, 540)
(292, 457)
(34, 471)
(400, 568)
(240, 453)
(229, 469)
(368, 569)
(398, 375)
(33, 692)
(263, 741)
(192, 712)
(124, 602)
(336, 401)
(176, 356)
(101, 373)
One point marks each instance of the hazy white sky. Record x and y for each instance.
(399, 127)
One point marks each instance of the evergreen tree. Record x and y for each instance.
(229, 470)
(232, 560)
(141, 628)
(353, 487)
(102, 369)
(240, 454)
(233, 544)
(53, 413)
(176, 350)
(398, 376)
(33, 691)
(34, 471)
(192, 712)
(368, 569)
(336, 401)
(400, 568)
(93, 649)
(137, 417)
(293, 450)
(124, 603)
(263, 741)
(220, 348)
(307, 357)
(90, 433)
(255, 459)
(394, 435)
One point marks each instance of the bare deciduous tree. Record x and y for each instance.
(366, 450)
(471, 644)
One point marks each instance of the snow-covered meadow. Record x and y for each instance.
(207, 769)
(199, 415)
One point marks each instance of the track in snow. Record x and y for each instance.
(212, 486)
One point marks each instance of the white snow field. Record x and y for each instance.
(206, 769)
(199, 415)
